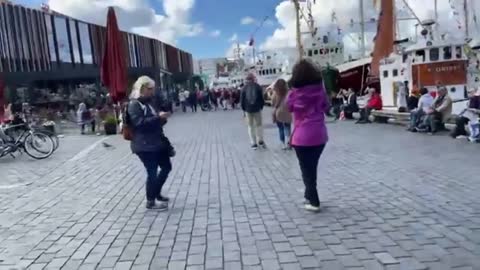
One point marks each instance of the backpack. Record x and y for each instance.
(251, 95)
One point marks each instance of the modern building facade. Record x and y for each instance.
(39, 47)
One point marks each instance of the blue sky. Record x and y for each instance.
(226, 17)
(213, 15)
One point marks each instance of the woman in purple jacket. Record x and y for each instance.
(308, 101)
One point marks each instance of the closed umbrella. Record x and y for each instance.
(2, 98)
(114, 66)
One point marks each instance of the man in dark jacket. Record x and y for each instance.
(149, 142)
(252, 102)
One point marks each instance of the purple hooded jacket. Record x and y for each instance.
(309, 105)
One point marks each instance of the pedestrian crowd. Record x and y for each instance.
(209, 99)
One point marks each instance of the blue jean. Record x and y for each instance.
(155, 180)
(416, 117)
(284, 131)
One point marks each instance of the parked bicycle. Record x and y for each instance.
(21, 138)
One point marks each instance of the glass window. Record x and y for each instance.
(23, 29)
(62, 40)
(51, 38)
(434, 54)
(131, 50)
(420, 53)
(458, 52)
(385, 73)
(336, 50)
(315, 52)
(75, 45)
(395, 73)
(85, 41)
(310, 53)
(447, 53)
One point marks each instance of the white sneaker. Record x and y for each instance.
(472, 139)
(312, 208)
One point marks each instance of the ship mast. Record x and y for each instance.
(298, 30)
(465, 8)
(362, 27)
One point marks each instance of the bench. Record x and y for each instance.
(382, 116)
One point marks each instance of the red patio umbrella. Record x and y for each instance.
(114, 67)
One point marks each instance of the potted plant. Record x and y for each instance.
(110, 125)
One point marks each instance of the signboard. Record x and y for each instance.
(444, 73)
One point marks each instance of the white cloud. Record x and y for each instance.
(269, 22)
(247, 20)
(215, 33)
(137, 16)
(284, 35)
(233, 38)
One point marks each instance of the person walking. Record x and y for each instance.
(213, 99)
(149, 142)
(281, 116)
(252, 103)
(308, 101)
(183, 101)
(85, 117)
(193, 101)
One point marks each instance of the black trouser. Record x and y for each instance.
(460, 124)
(193, 105)
(155, 179)
(308, 157)
(365, 114)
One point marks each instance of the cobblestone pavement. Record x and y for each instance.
(390, 200)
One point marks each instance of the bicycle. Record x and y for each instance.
(51, 134)
(21, 138)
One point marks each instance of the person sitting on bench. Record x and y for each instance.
(468, 115)
(350, 106)
(374, 103)
(438, 113)
(424, 104)
(338, 101)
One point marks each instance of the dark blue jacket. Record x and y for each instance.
(147, 127)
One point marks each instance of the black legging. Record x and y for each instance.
(308, 157)
(460, 124)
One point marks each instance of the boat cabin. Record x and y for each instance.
(428, 63)
(322, 51)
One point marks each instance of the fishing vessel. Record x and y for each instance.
(431, 61)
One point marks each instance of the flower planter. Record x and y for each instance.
(50, 128)
(110, 129)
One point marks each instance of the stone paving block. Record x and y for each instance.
(385, 258)
(230, 203)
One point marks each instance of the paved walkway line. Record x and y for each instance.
(87, 150)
